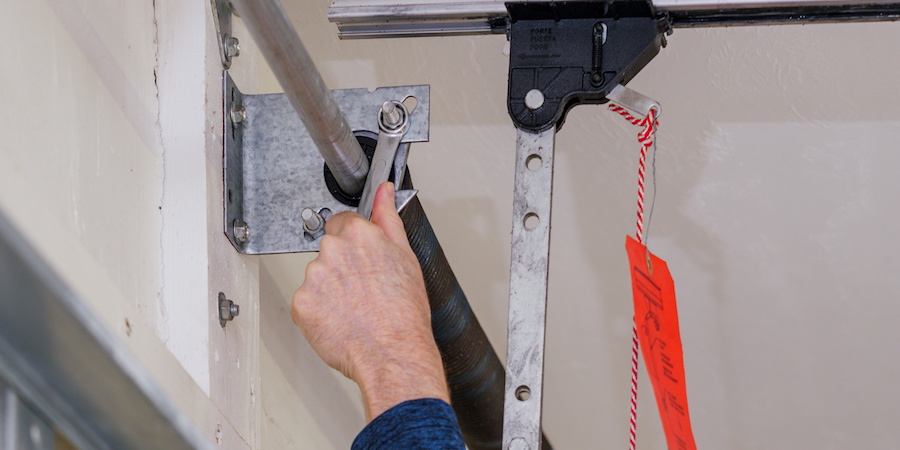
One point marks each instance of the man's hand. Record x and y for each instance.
(364, 310)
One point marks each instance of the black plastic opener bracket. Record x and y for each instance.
(566, 53)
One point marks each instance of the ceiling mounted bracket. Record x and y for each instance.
(569, 53)
(276, 189)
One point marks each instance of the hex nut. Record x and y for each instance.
(232, 46)
(241, 231)
(238, 114)
(228, 310)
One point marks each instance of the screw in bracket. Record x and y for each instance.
(241, 231)
(238, 114)
(313, 223)
(228, 310)
(392, 115)
(232, 46)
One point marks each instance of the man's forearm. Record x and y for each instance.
(404, 371)
(364, 309)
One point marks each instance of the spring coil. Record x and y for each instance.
(474, 372)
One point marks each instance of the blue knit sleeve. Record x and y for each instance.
(424, 424)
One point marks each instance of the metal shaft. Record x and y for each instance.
(357, 19)
(306, 90)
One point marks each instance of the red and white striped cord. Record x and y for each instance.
(645, 137)
(632, 432)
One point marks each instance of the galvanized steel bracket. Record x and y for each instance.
(273, 171)
(229, 46)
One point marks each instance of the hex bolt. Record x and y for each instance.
(232, 46)
(228, 310)
(534, 99)
(391, 114)
(241, 231)
(238, 114)
(312, 221)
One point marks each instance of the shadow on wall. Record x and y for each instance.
(106, 64)
(705, 79)
(780, 75)
(774, 74)
(477, 64)
(710, 82)
(335, 411)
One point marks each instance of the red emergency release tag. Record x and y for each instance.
(656, 317)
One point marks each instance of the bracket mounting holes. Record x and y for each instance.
(523, 393)
(531, 221)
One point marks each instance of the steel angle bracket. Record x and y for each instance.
(273, 171)
(229, 47)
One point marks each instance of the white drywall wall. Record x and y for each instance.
(81, 125)
(775, 210)
(112, 169)
(198, 260)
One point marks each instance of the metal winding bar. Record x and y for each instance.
(528, 290)
(306, 90)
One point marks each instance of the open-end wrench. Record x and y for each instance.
(393, 121)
